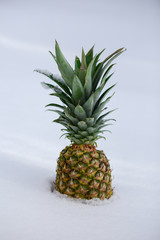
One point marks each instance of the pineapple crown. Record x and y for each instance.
(83, 94)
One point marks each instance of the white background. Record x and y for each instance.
(29, 141)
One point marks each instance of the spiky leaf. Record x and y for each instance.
(77, 90)
(89, 56)
(100, 108)
(57, 111)
(90, 121)
(82, 125)
(107, 72)
(77, 65)
(88, 79)
(53, 56)
(104, 115)
(81, 92)
(101, 68)
(99, 121)
(64, 67)
(75, 129)
(100, 88)
(83, 60)
(104, 95)
(83, 133)
(59, 81)
(68, 115)
(83, 68)
(63, 97)
(80, 112)
(55, 105)
(91, 130)
(88, 106)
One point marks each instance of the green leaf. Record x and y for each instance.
(82, 125)
(120, 50)
(97, 75)
(103, 131)
(106, 114)
(100, 69)
(55, 105)
(104, 95)
(80, 112)
(75, 129)
(106, 78)
(91, 130)
(83, 60)
(100, 88)
(107, 72)
(83, 68)
(57, 111)
(53, 56)
(64, 67)
(83, 133)
(90, 121)
(71, 106)
(50, 86)
(105, 125)
(82, 75)
(88, 106)
(67, 130)
(64, 134)
(100, 121)
(89, 56)
(77, 136)
(63, 123)
(63, 97)
(97, 71)
(111, 59)
(88, 79)
(77, 65)
(99, 109)
(99, 54)
(68, 115)
(77, 90)
(90, 138)
(75, 140)
(96, 60)
(60, 82)
(99, 137)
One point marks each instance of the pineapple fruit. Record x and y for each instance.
(82, 170)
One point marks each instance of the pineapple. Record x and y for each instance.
(82, 170)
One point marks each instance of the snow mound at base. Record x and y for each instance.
(92, 202)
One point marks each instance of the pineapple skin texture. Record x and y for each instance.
(83, 173)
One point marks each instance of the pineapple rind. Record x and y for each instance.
(83, 172)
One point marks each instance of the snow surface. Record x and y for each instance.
(30, 210)
(29, 141)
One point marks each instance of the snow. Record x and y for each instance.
(29, 141)
(30, 210)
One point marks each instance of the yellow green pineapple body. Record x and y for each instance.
(82, 171)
